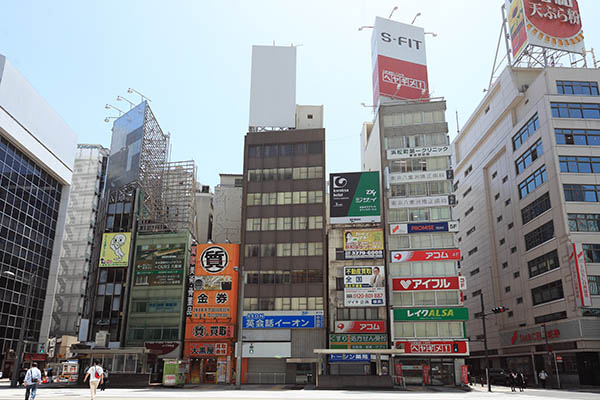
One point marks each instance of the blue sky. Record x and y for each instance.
(192, 59)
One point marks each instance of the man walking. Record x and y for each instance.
(96, 376)
(543, 375)
(32, 379)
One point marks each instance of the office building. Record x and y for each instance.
(227, 209)
(37, 151)
(204, 209)
(76, 256)
(526, 165)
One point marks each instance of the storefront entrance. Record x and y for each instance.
(442, 371)
(203, 371)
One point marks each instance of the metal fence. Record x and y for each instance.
(266, 378)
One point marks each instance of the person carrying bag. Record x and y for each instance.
(96, 376)
(32, 379)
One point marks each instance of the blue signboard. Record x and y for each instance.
(349, 357)
(285, 319)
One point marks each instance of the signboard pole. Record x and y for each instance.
(485, 344)
(238, 353)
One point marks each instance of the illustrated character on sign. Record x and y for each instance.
(116, 243)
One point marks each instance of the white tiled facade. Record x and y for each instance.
(507, 248)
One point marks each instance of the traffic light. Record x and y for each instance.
(498, 310)
(455, 347)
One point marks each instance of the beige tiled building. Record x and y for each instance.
(527, 182)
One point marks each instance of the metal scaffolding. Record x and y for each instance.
(179, 189)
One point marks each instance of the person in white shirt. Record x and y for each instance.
(32, 379)
(96, 375)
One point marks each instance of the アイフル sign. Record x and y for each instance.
(441, 283)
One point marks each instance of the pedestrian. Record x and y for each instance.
(49, 373)
(96, 376)
(22, 376)
(32, 379)
(104, 381)
(521, 381)
(543, 375)
(512, 378)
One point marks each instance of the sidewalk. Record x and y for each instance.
(538, 390)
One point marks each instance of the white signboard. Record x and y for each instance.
(579, 274)
(433, 201)
(418, 152)
(420, 176)
(266, 349)
(364, 286)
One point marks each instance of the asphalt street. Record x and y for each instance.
(275, 393)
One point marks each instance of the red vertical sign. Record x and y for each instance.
(426, 369)
(464, 373)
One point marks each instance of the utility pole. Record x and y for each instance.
(550, 352)
(485, 344)
(240, 341)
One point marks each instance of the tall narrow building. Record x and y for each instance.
(227, 209)
(283, 230)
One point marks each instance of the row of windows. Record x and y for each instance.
(594, 282)
(279, 174)
(532, 182)
(539, 235)
(423, 269)
(422, 241)
(284, 223)
(549, 292)
(577, 88)
(427, 298)
(592, 252)
(154, 333)
(421, 189)
(529, 156)
(282, 198)
(582, 137)
(284, 150)
(525, 132)
(550, 317)
(413, 118)
(285, 277)
(584, 222)
(544, 263)
(283, 303)
(284, 249)
(412, 141)
(536, 208)
(357, 314)
(584, 165)
(419, 214)
(428, 330)
(575, 110)
(588, 193)
(420, 164)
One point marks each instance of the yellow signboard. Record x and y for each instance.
(363, 239)
(115, 249)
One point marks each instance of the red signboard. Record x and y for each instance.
(206, 349)
(436, 347)
(438, 283)
(360, 327)
(464, 374)
(400, 79)
(426, 369)
(36, 356)
(426, 255)
(559, 20)
(161, 348)
(580, 277)
(535, 336)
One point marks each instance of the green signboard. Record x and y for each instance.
(432, 314)
(354, 197)
(358, 341)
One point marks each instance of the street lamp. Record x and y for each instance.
(19, 355)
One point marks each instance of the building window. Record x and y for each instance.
(468, 170)
(513, 250)
(529, 157)
(473, 251)
(507, 202)
(510, 225)
(502, 241)
(581, 137)
(476, 293)
(469, 211)
(584, 222)
(592, 252)
(577, 88)
(532, 182)
(475, 271)
(505, 179)
(504, 265)
(494, 174)
(525, 132)
(467, 192)
(594, 281)
(544, 263)
(516, 274)
(499, 218)
(550, 317)
(519, 300)
(583, 165)
(510, 314)
(546, 293)
(496, 196)
(507, 289)
(587, 193)
(539, 235)
(473, 229)
(536, 208)
(575, 110)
